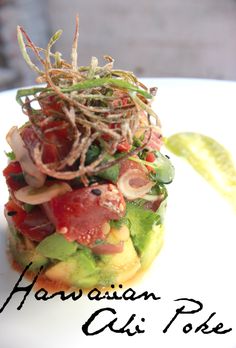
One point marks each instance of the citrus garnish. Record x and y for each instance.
(209, 158)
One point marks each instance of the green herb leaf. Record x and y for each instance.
(92, 154)
(99, 242)
(137, 141)
(141, 223)
(159, 189)
(118, 223)
(111, 173)
(10, 155)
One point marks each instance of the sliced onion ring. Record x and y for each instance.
(106, 249)
(153, 198)
(127, 187)
(32, 175)
(30, 195)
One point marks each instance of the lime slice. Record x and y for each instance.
(209, 158)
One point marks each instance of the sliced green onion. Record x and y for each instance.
(24, 51)
(29, 91)
(142, 105)
(87, 84)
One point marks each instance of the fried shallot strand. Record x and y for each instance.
(97, 114)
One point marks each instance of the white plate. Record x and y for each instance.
(197, 261)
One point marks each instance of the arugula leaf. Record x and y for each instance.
(141, 223)
(10, 155)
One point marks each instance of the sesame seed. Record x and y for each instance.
(96, 192)
(12, 213)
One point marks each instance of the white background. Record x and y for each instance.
(197, 261)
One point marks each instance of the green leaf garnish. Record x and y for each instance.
(10, 155)
(141, 223)
(106, 81)
(92, 154)
(118, 223)
(111, 173)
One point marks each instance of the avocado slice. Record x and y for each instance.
(119, 267)
(152, 246)
(146, 228)
(26, 256)
(79, 270)
(56, 247)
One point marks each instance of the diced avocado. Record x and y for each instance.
(146, 232)
(119, 267)
(152, 246)
(56, 247)
(162, 210)
(120, 234)
(79, 270)
(24, 256)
